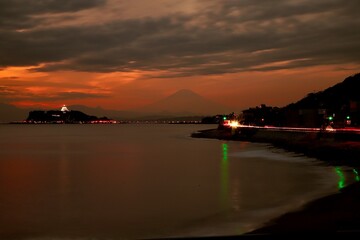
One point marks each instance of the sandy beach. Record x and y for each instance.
(337, 214)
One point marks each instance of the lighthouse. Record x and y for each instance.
(64, 109)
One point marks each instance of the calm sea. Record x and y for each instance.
(147, 181)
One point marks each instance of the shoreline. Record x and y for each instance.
(327, 148)
(335, 214)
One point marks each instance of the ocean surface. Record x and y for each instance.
(147, 181)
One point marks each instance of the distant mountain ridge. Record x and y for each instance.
(185, 102)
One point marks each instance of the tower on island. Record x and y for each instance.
(64, 109)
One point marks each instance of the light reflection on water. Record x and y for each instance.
(356, 172)
(341, 183)
(351, 177)
(224, 176)
(143, 181)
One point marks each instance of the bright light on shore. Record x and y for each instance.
(330, 129)
(234, 124)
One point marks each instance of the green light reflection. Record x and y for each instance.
(341, 174)
(357, 177)
(224, 176)
(225, 152)
(341, 182)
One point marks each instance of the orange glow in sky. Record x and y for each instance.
(126, 90)
(124, 55)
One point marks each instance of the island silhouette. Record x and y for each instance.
(64, 115)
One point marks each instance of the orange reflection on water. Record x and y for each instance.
(17, 176)
(20, 185)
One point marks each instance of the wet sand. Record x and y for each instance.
(337, 214)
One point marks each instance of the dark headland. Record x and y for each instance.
(326, 127)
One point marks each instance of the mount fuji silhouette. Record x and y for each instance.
(184, 102)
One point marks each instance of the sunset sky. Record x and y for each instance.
(121, 54)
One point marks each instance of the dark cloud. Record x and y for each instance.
(6, 91)
(21, 83)
(14, 94)
(18, 14)
(16, 89)
(10, 78)
(228, 36)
